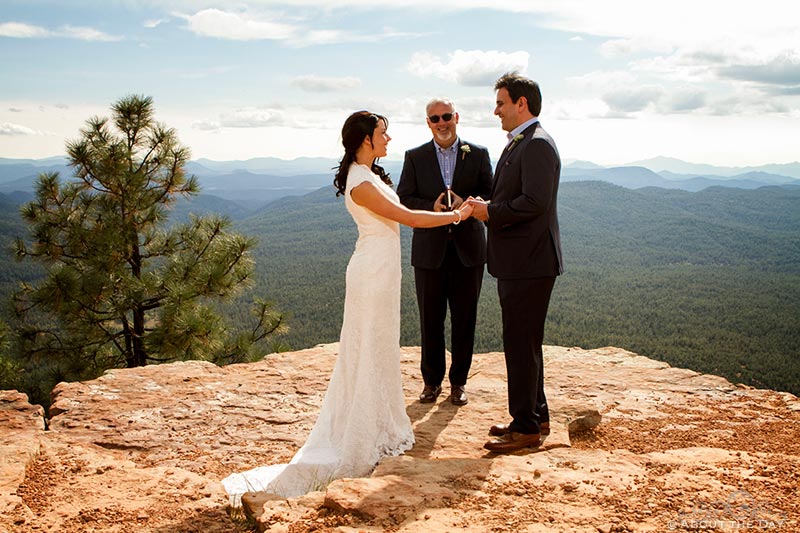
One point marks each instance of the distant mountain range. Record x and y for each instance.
(251, 184)
(637, 177)
(676, 166)
(707, 280)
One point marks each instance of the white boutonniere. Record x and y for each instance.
(514, 141)
(465, 149)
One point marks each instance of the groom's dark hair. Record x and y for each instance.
(518, 85)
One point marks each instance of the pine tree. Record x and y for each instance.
(124, 289)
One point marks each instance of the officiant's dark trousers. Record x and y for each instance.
(460, 286)
(524, 304)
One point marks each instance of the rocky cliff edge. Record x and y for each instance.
(636, 445)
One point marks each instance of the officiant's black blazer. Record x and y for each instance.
(523, 235)
(421, 183)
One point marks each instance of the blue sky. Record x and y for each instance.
(705, 81)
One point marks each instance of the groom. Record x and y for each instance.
(524, 254)
(448, 261)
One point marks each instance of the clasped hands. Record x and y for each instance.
(480, 208)
(458, 204)
(475, 207)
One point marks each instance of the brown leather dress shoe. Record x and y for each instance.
(513, 441)
(498, 430)
(430, 393)
(458, 396)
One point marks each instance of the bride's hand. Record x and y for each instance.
(465, 210)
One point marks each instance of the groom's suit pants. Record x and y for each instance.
(524, 304)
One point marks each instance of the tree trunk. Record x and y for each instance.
(130, 360)
(137, 338)
(139, 354)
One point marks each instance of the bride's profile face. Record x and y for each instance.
(380, 139)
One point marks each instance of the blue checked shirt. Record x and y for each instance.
(447, 162)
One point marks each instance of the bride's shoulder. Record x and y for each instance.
(358, 174)
(359, 168)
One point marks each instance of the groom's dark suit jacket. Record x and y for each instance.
(524, 239)
(524, 254)
(421, 183)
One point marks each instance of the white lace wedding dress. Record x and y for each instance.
(363, 416)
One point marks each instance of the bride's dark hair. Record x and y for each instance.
(357, 126)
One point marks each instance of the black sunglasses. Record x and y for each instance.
(446, 117)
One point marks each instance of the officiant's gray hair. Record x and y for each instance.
(440, 100)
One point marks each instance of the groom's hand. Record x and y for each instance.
(480, 208)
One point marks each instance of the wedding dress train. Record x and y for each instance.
(363, 416)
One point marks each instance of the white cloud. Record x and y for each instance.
(237, 26)
(316, 37)
(782, 69)
(746, 101)
(313, 37)
(253, 118)
(85, 34)
(714, 81)
(721, 72)
(313, 83)
(22, 31)
(154, 23)
(243, 118)
(206, 125)
(771, 22)
(27, 31)
(623, 95)
(600, 80)
(469, 67)
(9, 128)
(713, 60)
(294, 31)
(476, 111)
(564, 110)
(694, 42)
(677, 67)
(684, 101)
(678, 22)
(632, 99)
(623, 47)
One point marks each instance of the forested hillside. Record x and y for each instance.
(707, 280)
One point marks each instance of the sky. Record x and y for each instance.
(704, 81)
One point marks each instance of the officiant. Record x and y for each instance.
(448, 261)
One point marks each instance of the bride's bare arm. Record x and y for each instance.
(367, 195)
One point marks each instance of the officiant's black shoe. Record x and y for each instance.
(430, 393)
(458, 396)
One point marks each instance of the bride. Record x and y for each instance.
(363, 416)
